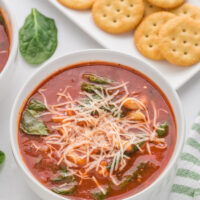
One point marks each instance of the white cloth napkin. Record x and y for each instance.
(187, 181)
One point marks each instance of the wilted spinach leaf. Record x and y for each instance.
(2, 157)
(97, 79)
(31, 125)
(62, 175)
(134, 173)
(99, 195)
(37, 38)
(163, 129)
(2, 22)
(66, 190)
(36, 105)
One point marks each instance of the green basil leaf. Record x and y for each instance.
(31, 125)
(36, 105)
(2, 157)
(37, 38)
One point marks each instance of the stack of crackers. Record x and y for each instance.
(164, 29)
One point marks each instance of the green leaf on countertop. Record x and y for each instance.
(37, 38)
(31, 125)
(2, 157)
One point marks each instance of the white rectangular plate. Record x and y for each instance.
(176, 75)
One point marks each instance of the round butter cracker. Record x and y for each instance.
(180, 41)
(146, 36)
(77, 4)
(187, 10)
(150, 8)
(167, 4)
(118, 16)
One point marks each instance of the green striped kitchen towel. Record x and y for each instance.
(187, 181)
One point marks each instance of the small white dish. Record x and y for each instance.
(8, 69)
(159, 185)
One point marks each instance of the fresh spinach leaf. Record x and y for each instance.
(37, 38)
(36, 105)
(2, 157)
(31, 125)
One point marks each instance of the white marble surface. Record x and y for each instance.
(71, 38)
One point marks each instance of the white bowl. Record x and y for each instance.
(8, 69)
(159, 185)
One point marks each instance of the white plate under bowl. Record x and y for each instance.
(8, 69)
(176, 75)
(159, 185)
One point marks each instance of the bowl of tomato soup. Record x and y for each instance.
(97, 124)
(8, 44)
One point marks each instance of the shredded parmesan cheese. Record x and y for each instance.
(91, 130)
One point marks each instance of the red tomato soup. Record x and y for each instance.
(97, 130)
(4, 42)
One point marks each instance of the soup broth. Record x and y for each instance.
(4, 42)
(97, 130)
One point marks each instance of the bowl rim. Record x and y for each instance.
(14, 37)
(13, 119)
